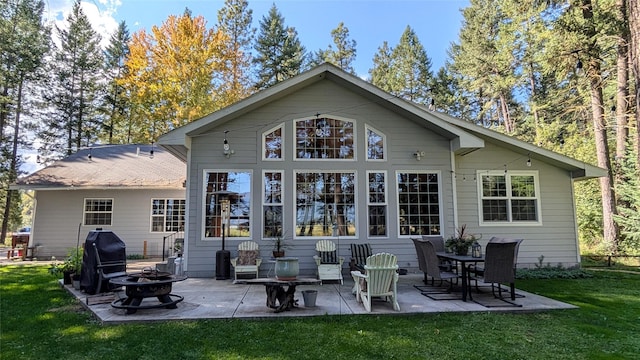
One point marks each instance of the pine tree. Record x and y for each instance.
(404, 71)
(234, 20)
(344, 53)
(279, 52)
(76, 71)
(116, 105)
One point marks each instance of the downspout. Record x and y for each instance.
(575, 219)
(454, 189)
(187, 204)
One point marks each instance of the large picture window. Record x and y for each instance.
(419, 203)
(167, 215)
(324, 138)
(510, 197)
(98, 212)
(272, 204)
(227, 201)
(377, 203)
(325, 204)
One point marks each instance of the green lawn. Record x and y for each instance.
(39, 320)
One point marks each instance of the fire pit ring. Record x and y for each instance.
(147, 284)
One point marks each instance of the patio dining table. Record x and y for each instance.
(463, 260)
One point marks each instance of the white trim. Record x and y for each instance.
(454, 191)
(508, 175)
(368, 128)
(440, 200)
(282, 142)
(320, 116)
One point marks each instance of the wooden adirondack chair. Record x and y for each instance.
(380, 279)
(248, 260)
(328, 262)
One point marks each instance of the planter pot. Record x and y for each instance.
(462, 250)
(278, 254)
(309, 297)
(66, 277)
(287, 268)
(75, 279)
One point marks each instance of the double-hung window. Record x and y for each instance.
(272, 204)
(511, 197)
(419, 203)
(167, 215)
(377, 203)
(98, 212)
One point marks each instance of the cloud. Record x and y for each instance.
(100, 15)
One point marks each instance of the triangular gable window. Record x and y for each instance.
(376, 141)
(272, 144)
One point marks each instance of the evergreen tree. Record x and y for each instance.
(404, 71)
(25, 40)
(76, 72)
(345, 52)
(279, 52)
(116, 104)
(234, 20)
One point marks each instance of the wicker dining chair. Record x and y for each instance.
(498, 267)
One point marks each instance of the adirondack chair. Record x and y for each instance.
(359, 254)
(328, 262)
(380, 279)
(248, 260)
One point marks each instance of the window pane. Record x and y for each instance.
(493, 186)
(494, 210)
(272, 221)
(418, 204)
(324, 200)
(273, 188)
(523, 210)
(324, 138)
(377, 220)
(234, 187)
(377, 188)
(523, 186)
(98, 211)
(375, 145)
(273, 144)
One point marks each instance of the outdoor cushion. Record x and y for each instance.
(328, 257)
(247, 257)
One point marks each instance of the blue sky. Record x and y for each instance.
(370, 22)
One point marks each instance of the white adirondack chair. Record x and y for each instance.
(328, 262)
(379, 280)
(248, 260)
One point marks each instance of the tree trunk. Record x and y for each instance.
(622, 93)
(634, 27)
(13, 167)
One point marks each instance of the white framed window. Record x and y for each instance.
(377, 203)
(167, 215)
(508, 197)
(97, 211)
(324, 138)
(376, 141)
(325, 204)
(419, 203)
(230, 188)
(272, 203)
(272, 144)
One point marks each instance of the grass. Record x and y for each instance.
(39, 320)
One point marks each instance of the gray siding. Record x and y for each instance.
(403, 136)
(59, 214)
(555, 238)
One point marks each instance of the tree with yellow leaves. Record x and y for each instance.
(170, 77)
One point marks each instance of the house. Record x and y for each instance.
(136, 191)
(326, 155)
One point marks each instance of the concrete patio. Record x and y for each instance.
(206, 298)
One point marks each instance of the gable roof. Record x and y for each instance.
(110, 167)
(176, 141)
(465, 137)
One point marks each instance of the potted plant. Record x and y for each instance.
(461, 241)
(279, 246)
(69, 268)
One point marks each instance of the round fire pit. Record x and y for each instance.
(147, 284)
